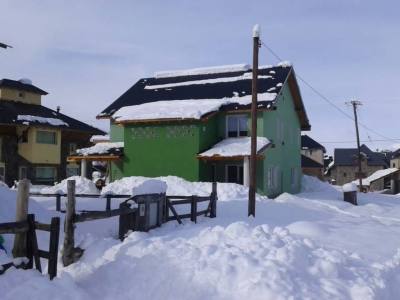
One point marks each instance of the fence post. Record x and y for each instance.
(69, 243)
(58, 202)
(193, 209)
(214, 197)
(19, 248)
(53, 248)
(108, 202)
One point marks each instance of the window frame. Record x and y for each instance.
(237, 118)
(46, 131)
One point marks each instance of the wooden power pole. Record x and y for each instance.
(355, 103)
(253, 154)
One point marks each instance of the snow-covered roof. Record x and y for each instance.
(100, 138)
(182, 109)
(27, 119)
(232, 147)
(376, 176)
(101, 149)
(201, 71)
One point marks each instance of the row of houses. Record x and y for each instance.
(194, 124)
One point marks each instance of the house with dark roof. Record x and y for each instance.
(345, 165)
(196, 124)
(312, 152)
(35, 140)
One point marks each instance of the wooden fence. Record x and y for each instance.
(58, 198)
(32, 252)
(211, 210)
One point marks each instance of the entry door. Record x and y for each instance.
(234, 174)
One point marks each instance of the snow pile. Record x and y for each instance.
(182, 109)
(376, 176)
(82, 186)
(100, 138)
(100, 148)
(42, 120)
(177, 186)
(202, 71)
(247, 75)
(235, 147)
(310, 184)
(151, 186)
(349, 187)
(3, 184)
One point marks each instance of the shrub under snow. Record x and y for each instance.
(82, 184)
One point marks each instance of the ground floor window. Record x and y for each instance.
(22, 173)
(2, 172)
(273, 175)
(45, 174)
(234, 174)
(72, 170)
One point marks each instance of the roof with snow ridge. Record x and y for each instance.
(348, 157)
(211, 83)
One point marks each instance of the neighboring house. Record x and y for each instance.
(35, 140)
(312, 161)
(345, 166)
(395, 159)
(196, 124)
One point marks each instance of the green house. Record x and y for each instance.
(195, 124)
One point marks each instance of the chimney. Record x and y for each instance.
(58, 109)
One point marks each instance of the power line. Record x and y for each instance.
(363, 141)
(324, 97)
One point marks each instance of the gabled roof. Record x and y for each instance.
(209, 84)
(307, 162)
(309, 143)
(348, 157)
(18, 113)
(21, 85)
(395, 154)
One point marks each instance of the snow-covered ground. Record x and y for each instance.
(306, 246)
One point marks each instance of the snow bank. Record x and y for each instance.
(182, 109)
(82, 184)
(180, 187)
(100, 148)
(311, 184)
(151, 186)
(50, 121)
(205, 70)
(100, 138)
(349, 187)
(235, 147)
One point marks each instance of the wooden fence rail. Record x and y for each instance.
(107, 197)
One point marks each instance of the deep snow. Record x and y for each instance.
(306, 246)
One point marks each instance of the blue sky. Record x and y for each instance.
(87, 53)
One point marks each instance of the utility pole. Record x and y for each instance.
(355, 103)
(253, 153)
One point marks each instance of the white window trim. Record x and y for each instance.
(237, 129)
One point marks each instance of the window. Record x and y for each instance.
(21, 94)
(72, 148)
(46, 137)
(1, 149)
(234, 174)
(45, 174)
(23, 173)
(344, 174)
(23, 138)
(72, 170)
(293, 177)
(236, 125)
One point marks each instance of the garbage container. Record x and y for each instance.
(350, 193)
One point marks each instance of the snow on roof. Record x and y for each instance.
(100, 138)
(182, 109)
(285, 64)
(376, 176)
(247, 75)
(42, 120)
(99, 148)
(231, 147)
(206, 70)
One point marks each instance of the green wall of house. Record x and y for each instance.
(171, 149)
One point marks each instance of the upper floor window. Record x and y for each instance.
(46, 137)
(236, 125)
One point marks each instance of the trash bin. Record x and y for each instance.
(350, 193)
(151, 199)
